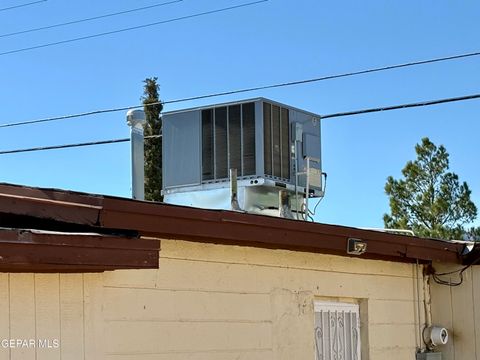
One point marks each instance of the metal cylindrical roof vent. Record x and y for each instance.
(136, 120)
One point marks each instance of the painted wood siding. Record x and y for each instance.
(458, 310)
(48, 307)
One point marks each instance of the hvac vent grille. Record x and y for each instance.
(248, 118)
(221, 143)
(234, 131)
(228, 141)
(276, 141)
(207, 144)
(267, 138)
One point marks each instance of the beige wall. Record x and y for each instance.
(458, 309)
(210, 302)
(48, 307)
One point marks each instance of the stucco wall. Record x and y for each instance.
(458, 309)
(210, 302)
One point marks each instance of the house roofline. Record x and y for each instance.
(67, 211)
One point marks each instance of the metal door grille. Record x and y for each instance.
(337, 331)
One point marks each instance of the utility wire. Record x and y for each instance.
(437, 277)
(329, 77)
(53, 147)
(131, 28)
(65, 146)
(244, 90)
(402, 106)
(350, 113)
(22, 5)
(87, 19)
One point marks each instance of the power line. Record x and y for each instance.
(87, 19)
(349, 113)
(131, 28)
(329, 77)
(403, 106)
(71, 116)
(22, 5)
(53, 147)
(65, 146)
(245, 90)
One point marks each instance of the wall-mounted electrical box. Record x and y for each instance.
(429, 356)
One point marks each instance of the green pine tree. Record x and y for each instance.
(472, 234)
(429, 200)
(153, 146)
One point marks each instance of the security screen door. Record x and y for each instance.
(337, 331)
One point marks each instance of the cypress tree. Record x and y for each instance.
(153, 146)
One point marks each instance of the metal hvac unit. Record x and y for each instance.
(271, 146)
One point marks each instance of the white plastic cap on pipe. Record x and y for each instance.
(136, 118)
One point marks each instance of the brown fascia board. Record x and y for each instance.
(228, 227)
(24, 250)
(61, 211)
(217, 226)
(51, 194)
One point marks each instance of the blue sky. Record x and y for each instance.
(271, 42)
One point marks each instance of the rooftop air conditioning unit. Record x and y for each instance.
(272, 146)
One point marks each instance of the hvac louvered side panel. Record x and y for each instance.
(207, 144)
(285, 141)
(267, 138)
(234, 138)
(248, 124)
(221, 143)
(276, 145)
